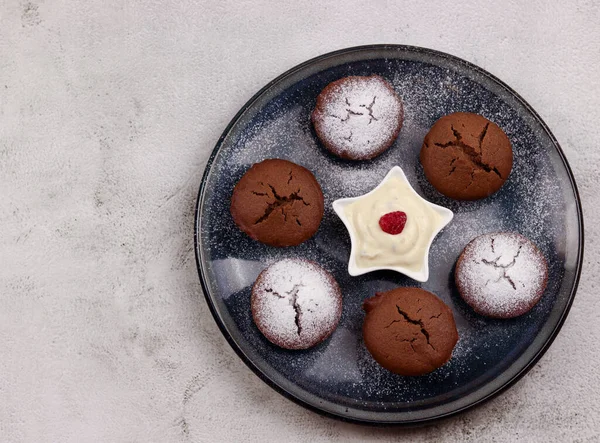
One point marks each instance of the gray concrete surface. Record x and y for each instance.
(108, 112)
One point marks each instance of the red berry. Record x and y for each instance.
(393, 222)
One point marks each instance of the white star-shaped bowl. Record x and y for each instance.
(422, 274)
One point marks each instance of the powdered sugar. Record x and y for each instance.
(502, 274)
(297, 303)
(359, 116)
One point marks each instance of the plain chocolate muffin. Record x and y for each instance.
(278, 203)
(466, 157)
(409, 331)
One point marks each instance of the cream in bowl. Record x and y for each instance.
(391, 227)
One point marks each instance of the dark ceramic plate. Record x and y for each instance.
(338, 377)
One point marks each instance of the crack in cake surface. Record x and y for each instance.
(419, 323)
(280, 202)
(504, 268)
(292, 296)
(474, 155)
(351, 112)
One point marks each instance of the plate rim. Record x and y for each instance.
(413, 421)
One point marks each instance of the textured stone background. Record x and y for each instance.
(108, 112)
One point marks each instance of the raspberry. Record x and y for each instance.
(393, 222)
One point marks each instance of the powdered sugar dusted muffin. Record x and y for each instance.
(358, 117)
(501, 275)
(296, 303)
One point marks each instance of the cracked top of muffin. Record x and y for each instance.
(409, 331)
(296, 304)
(278, 203)
(358, 117)
(466, 157)
(501, 275)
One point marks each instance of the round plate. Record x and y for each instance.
(338, 377)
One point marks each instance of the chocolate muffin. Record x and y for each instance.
(296, 303)
(357, 117)
(278, 203)
(466, 157)
(409, 331)
(501, 275)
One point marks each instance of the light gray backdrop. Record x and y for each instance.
(108, 112)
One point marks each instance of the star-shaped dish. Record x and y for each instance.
(373, 248)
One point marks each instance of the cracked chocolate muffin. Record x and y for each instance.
(501, 275)
(296, 304)
(278, 203)
(357, 117)
(466, 157)
(409, 331)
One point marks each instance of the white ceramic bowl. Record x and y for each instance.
(353, 269)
